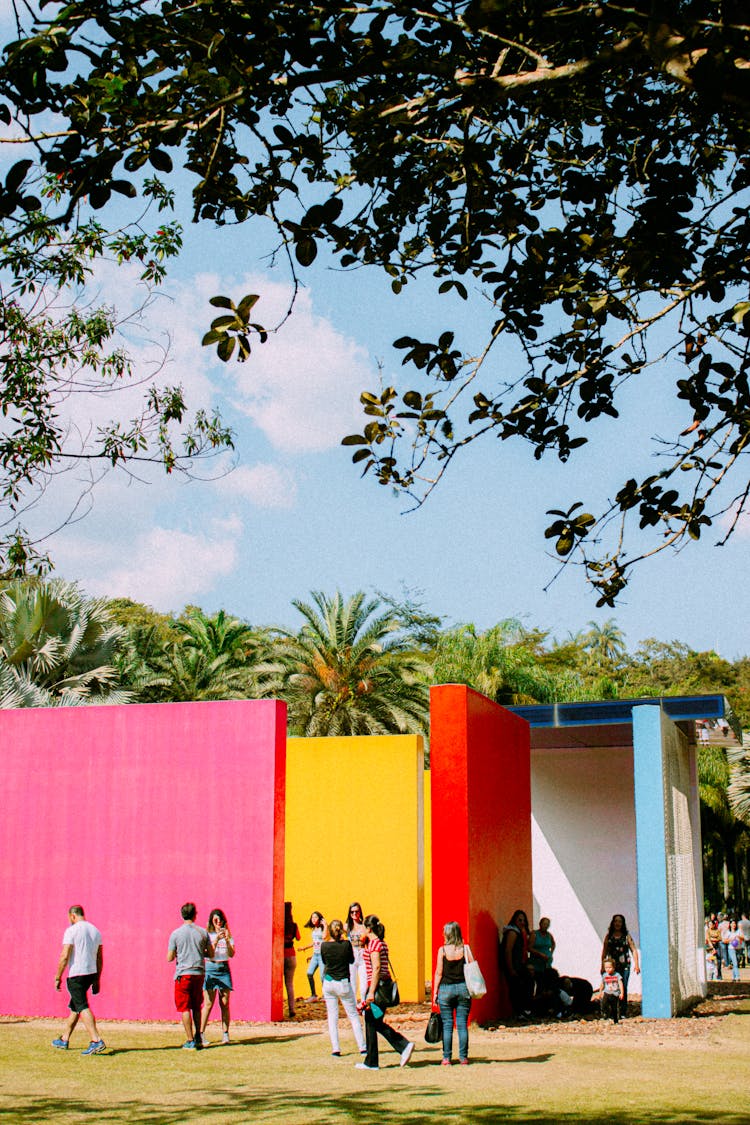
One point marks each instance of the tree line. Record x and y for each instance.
(363, 665)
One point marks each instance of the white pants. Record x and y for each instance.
(358, 974)
(333, 991)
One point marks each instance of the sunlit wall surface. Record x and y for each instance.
(354, 831)
(481, 826)
(131, 811)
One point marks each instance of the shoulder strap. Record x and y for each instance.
(467, 949)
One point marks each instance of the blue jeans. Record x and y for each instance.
(316, 962)
(455, 998)
(732, 952)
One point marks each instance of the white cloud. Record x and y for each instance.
(163, 567)
(301, 387)
(741, 528)
(264, 485)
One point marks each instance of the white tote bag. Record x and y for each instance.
(473, 977)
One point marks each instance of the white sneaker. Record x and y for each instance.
(364, 1066)
(406, 1054)
(225, 1037)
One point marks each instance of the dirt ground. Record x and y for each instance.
(700, 1022)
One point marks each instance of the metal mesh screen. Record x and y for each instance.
(682, 899)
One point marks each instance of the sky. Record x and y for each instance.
(294, 515)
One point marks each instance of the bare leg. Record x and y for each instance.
(70, 1024)
(88, 1021)
(224, 1007)
(187, 1023)
(209, 995)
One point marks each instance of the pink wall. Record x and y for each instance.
(481, 827)
(132, 811)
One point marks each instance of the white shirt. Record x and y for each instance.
(85, 940)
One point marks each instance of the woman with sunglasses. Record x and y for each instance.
(218, 973)
(355, 931)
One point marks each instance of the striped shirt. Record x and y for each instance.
(375, 945)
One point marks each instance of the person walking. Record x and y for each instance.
(189, 945)
(218, 979)
(337, 956)
(619, 945)
(734, 948)
(611, 991)
(713, 938)
(450, 994)
(83, 956)
(377, 968)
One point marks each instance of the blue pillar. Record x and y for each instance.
(651, 860)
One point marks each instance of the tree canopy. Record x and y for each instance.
(579, 171)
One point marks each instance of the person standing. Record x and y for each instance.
(514, 958)
(218, 973)
(337, 955)
(291, 934)
(541, 948)
(450, 994)
(377, 967)
(355, 931)
(317, 923)
(83, 957)
(724, 947)
(611, 991)
(189, 945)
(734, 948)
(744, 927)
(620, 947)
(713, 938)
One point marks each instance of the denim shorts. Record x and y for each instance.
(218, 976)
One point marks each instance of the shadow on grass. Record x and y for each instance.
(256, 1042)
(224, 1107)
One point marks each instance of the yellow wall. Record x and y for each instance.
(355, 831)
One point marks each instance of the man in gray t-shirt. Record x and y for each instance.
(189, 945)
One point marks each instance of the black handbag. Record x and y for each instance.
(434, 1030)
(386, 994)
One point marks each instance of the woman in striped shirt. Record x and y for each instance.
(375, 953)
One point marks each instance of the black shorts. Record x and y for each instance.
(78, 987)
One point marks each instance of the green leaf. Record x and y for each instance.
(225, 348)
(306, 251)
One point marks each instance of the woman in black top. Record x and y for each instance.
(450, 993)
(619, 945)
(337, 956)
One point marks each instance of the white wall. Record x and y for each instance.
(583, 851)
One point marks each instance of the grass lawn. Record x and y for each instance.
(688, 1070)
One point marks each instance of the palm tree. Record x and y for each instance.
(504, 663)
(214, 657)
(605, 643)
(57, 647)
(349, 670)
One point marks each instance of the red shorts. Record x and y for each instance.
(188, 993)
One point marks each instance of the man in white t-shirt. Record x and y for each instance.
(82, 955)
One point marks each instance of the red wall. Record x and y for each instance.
(132, 811)
(481, 827)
